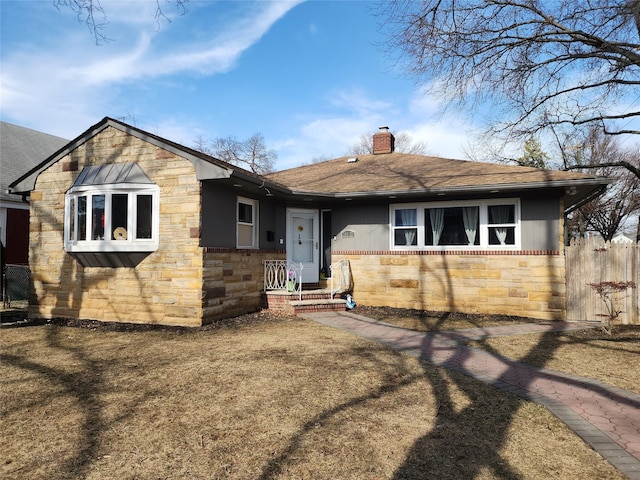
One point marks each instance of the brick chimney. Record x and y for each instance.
(383, 141)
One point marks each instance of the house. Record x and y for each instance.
(128, 226)
(21, 149)
(622, 238)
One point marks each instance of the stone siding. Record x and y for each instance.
(165, 288)
(524, 284)
(233, 281)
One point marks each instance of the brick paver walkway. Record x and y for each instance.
(606, 417)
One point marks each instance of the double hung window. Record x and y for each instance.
(480, 224)
(405, 227)
(247, 226)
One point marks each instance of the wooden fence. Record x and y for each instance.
(593, 261)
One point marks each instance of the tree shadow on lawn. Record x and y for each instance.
(85, 386)
(396, 377)
(461, 443)
(463, 440)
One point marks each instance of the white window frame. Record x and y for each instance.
(483, 224)
(254, 224)
(131, 244)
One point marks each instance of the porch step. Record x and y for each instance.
(328, 305)
(293, 303)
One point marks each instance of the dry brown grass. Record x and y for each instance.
(276, 398)
(588, 353)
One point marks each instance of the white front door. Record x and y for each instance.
(303, 242)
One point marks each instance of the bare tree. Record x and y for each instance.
(202, 145)
(251, 153)
(607, 214)
(403, 143)
(94, 16)
(539, 63)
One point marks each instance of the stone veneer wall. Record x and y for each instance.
(233, 281)
(165, 288)
(524, 284)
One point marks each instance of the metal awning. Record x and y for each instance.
(111, 173)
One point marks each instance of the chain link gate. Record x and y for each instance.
(15, 285)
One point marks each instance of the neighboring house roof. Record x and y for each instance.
(206, 166)
(21, 149)
(401, 174)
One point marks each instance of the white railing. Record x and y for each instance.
(280, 275)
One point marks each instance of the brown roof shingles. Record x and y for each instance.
(398, 172)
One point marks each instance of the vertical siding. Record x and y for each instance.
(593, 261)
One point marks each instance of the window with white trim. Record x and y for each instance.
(247, 226)
(491, 224)
(112, 218)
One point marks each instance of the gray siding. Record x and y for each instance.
(218, 227)
(369, 224)
(540, 225)
(219, 204)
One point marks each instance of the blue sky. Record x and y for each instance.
(310, 76)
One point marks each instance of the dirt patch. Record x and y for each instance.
(20, 318)
(428, 321)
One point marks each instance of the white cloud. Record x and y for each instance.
(354, 112)
(359, 102)
(68, 76)
(359, 112)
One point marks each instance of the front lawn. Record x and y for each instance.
(261, 398)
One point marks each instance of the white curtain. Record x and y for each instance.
(470, 219)
(437, 223)
(409, 237)
(409, 217)
(500, 214)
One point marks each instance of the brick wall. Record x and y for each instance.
(525, 284)
(166, 287)
(233, 281)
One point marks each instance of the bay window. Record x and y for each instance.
(480, 224)
(112, 218)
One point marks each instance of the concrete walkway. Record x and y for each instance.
(606, 417)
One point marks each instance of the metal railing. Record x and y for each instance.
(280, 275)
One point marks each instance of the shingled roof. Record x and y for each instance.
(206, 166)
(399, 173)
(21, 149)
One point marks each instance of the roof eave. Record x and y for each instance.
(490, 188)
(261, 182)
(204, 170)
